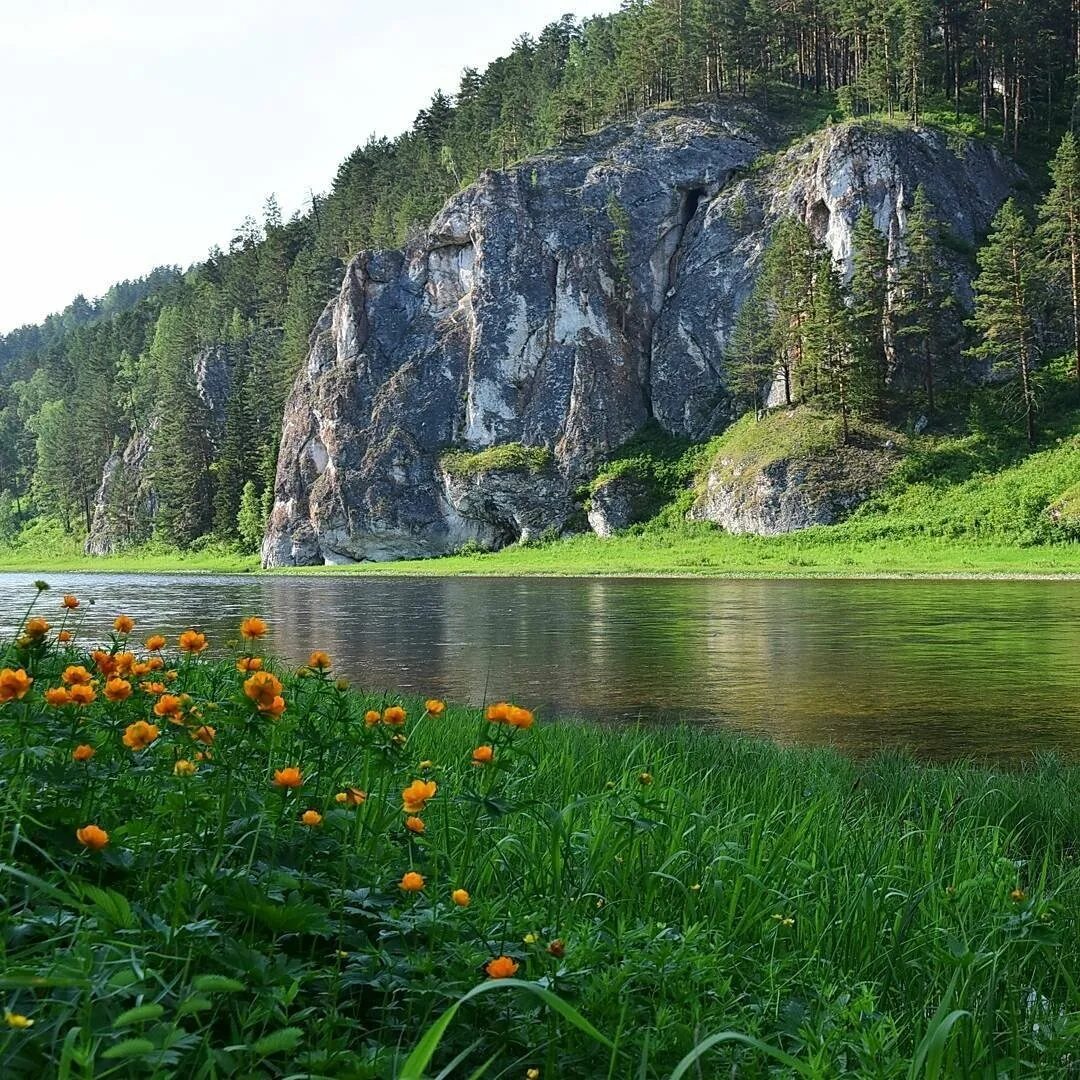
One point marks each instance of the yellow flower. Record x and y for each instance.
(123, 624)
(184, 768)
(155, 643)
(483, 755)
(57, 697)
(394, 716)
(350, 797)
(191, 641)
(36, 628)
(319, 660)
(502, 967)
(461, 898)
(90, 836)
(415, 797)
(644, 779)
(531, 938)
(289, 777)
(532, 1074)
(81, 694)
(17, 1020)
(415, 825)
(311, 818)
(412, 882)
(140, 735)
(82, 752)
(118, 689)
(70, 602)
(1018, 895)
(14, 684)
(426, 765)
(253, 628)
(435, 707)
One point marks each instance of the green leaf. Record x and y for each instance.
(216, 984)
(418, 1060)
(703, 1047)
(130, 1048)
(278, 1042)
(138, 1014)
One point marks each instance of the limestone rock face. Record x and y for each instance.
(125, 505)
(565, 303)
(617, 503)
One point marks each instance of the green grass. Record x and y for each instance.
(857, 917)
(506, 457)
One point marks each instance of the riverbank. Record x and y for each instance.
(691, 551)
(305, 890)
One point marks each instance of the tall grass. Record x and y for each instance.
(677, 903)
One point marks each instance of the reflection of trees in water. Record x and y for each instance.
(946, 666)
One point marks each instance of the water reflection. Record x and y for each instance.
(947, 668)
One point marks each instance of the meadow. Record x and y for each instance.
(214, 867)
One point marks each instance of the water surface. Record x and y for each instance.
(948, 668)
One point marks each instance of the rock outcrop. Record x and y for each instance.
(125, 504)
(563, 304)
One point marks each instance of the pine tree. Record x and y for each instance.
(1059, 232)
(748, 357)
(250, 523)
(787, 283)
(830, 344)
(869, 307)
(181, 455)
(1006, 305)
(924, 298)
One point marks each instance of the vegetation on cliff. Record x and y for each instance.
(217, 867)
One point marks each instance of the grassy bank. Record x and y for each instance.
(633, 897)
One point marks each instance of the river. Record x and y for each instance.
(987, 669)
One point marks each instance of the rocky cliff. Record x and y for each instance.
(560, 306)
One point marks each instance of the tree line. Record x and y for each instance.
(74, 388)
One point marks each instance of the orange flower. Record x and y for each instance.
(483, 755)
(169, 705)
(155, 643)
(183, 767)
(77, 675)
(105, 662)
(123, 624)
(57, 697)
(65, 636)
(253, 628)
(125, 663)
(155, 663)
(118, 689)
(82, 694)
(412, 882)
(461, 898)
(205, 734)
(191, 641)
(557, 948)
(14, 683)
(502, 967)
(90, 836)
(435, 707)
(394, 716)
(311, 818)
(152, 688)
(415, 796)
(70, 602)
(519, 718)
(36, 628)
(275, 708)
(289, 777)
(415, 825)
(263, 687)
(140, 668)
(249, 663)
(372, 717)
(497, 713)
(350, 797)
(140, 735)
(319, 660)
(82, 752)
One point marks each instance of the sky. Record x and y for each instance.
(138, 133)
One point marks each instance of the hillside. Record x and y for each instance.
(617, 227)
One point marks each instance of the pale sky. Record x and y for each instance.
(135, 133)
